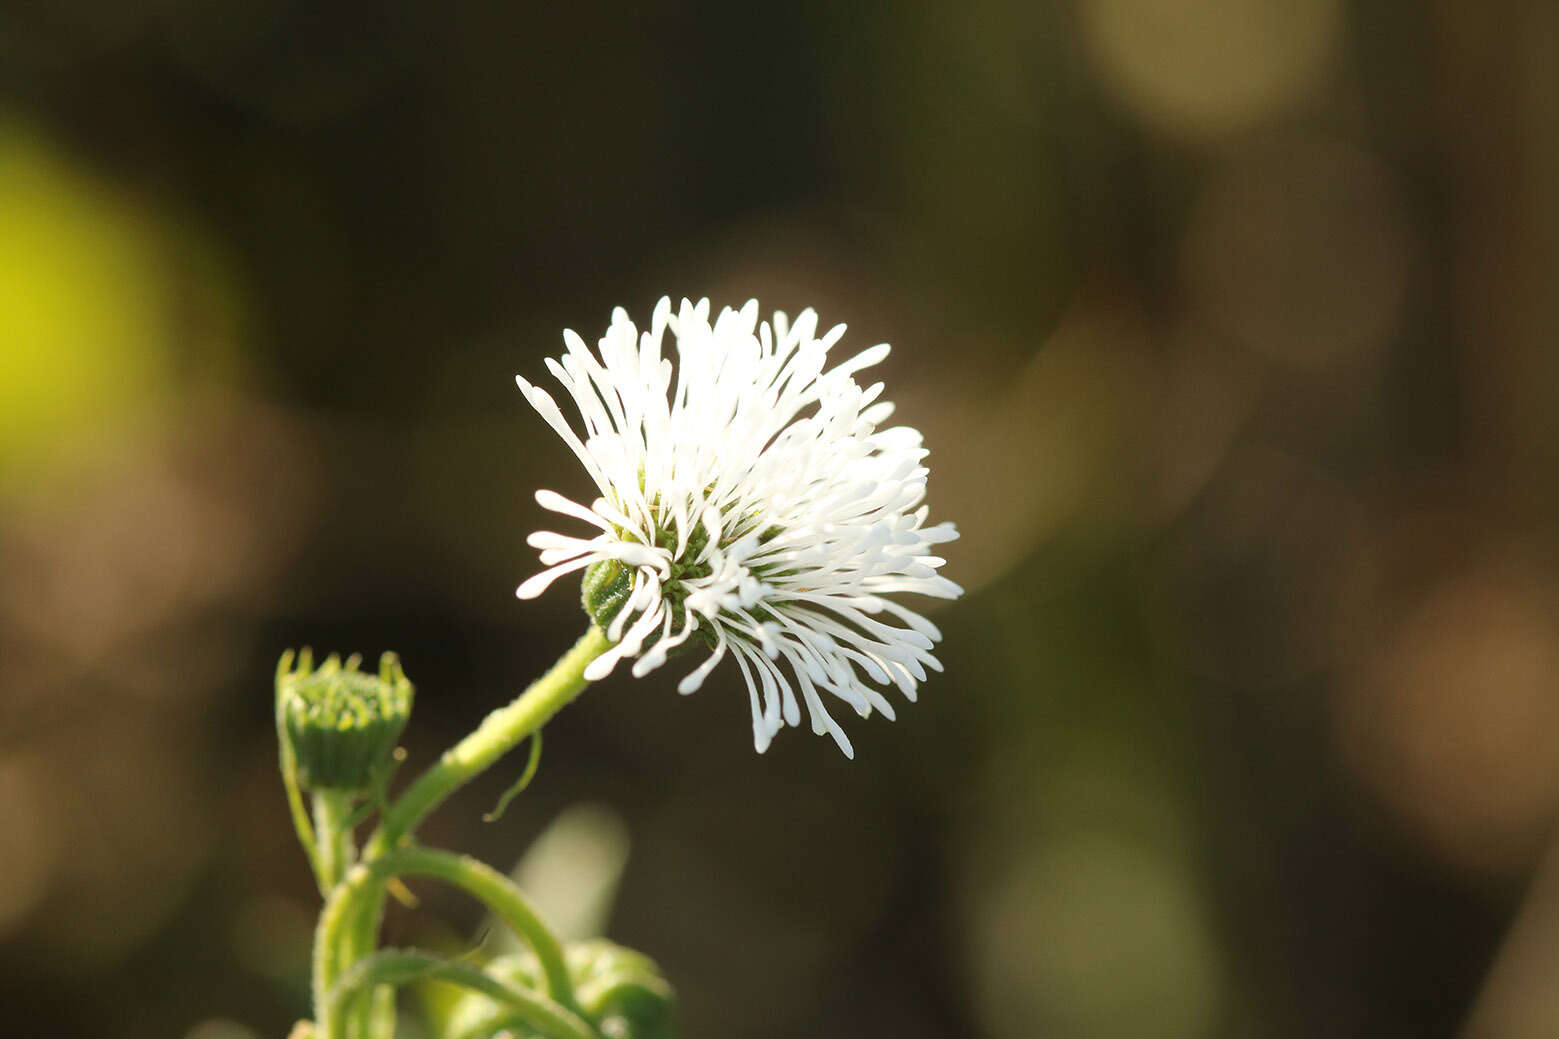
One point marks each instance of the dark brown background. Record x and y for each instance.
(1231, 325)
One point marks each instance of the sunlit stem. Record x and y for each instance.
(499, 733)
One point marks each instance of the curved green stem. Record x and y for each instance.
(401, 967)
(358, 939)
(500, 732)
(338, 939)
(499, 894)
(348, 927)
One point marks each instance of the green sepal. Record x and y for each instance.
(608, 585)
(605, 590)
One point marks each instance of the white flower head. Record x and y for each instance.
(751, 502)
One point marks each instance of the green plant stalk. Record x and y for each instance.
(334, 951)
(335, 849)
(382, 1013)
(398, 967)
(499, 733)
(357, 940)
(350, 932)
(499, 894)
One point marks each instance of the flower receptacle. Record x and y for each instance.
(604, 591)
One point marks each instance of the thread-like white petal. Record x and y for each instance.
(534, 586)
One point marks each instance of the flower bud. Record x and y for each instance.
(605, 590)
(342, 724)
(620, 992)
(623, 991)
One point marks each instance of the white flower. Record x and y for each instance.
(749, 499)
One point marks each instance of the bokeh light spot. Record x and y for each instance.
(1100, 936)
(29, 840)
(1300, 251)
(221, 1028)
(1209, 66)
(81, 328)
(1454, 719)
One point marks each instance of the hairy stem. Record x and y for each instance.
(334, 849)
(499, 733)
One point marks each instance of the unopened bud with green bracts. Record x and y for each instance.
(620, 992)
(342, 723)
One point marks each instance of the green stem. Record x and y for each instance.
(358, 938)
(382, 1011)
(499, 733)
(499, 894)
(338, 940)
(334, 855)
(335, 849)
(348, 928)
(334, 940)
(400, 967)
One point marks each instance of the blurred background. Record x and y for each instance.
(1230, 324)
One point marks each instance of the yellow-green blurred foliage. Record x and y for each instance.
(82, 305)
